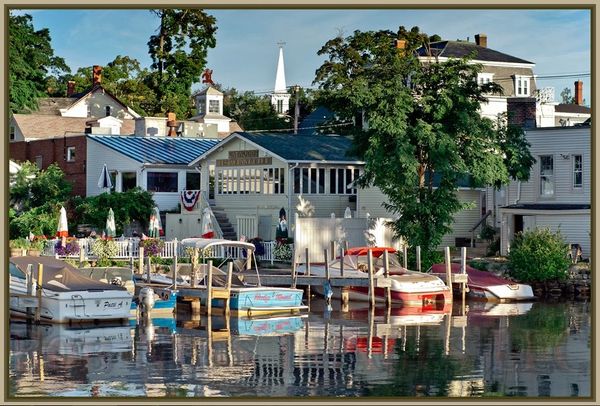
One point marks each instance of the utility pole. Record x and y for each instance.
(296, 109)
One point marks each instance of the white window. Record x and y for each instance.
(546, 176)
(39, 161)
(577, 171)
(70, 154)
(522, 85)
(280, 106)
(484, 78)
(107, 111)
(341, 181)
(12, 132)
(250, 181)
(213, 106)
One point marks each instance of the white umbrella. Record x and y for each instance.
(158, 221)
(104, 182)
(207, 229)
(111, 229)
(63, 227)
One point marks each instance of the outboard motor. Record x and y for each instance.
(146, 299)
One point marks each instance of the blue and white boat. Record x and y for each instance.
(243, 297)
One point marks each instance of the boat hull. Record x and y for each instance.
(75, 306)
(261, 300)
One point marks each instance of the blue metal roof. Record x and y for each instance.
(157, 150)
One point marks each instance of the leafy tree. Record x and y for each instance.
(566, 96)
(252, 111)
(178, 51)
(123, 77)
(32, 63)
(424, 132)
(133, 205)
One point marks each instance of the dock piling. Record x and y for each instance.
(448, 270)
(386, 273)
(463, 270)
(175, 265)
(405, 256)
(38, 292)
(141, 264)
(371, 281)
(419, 258)
(209, 289)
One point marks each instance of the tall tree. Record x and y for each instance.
(31, 63)
(123, 77)
(178, 51)
(566, 97)
(425, 131)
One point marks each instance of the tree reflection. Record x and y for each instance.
(544, 327)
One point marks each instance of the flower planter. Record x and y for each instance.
(16, 252)
(33, 253)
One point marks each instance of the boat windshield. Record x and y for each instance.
(360, 262)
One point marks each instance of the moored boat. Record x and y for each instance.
(411, 288)
(485, 285)
(243, 297)
(67, 295)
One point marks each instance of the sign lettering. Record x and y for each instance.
(265, 160)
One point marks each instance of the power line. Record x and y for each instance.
(302, 128)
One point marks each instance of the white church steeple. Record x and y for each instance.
(280, 98)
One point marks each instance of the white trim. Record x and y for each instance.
(476, 61)
(532, 212)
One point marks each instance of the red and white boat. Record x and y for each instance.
(411, 288)
(487, 286)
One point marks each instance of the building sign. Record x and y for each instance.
(245, 158)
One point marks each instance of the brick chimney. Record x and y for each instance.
(481, 40)
(579, 92)
(521, 111)
(172, 125)
(97, 75)
(70, 88)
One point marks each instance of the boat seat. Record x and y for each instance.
(103, 280)
(130, 286)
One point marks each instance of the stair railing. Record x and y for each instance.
(485, 216)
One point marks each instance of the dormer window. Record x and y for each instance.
(522, 87)
(213, 106)
(12, 132)
(107, 109)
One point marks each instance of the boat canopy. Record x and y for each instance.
(60, 276)
(204, 243)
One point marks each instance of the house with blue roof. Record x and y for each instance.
(250, 177)
(157, 164)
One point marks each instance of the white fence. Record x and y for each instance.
(129, 248)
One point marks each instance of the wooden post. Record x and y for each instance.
(448, 270)
(148, 269)
(38, 292)
(29, 284)
(345, 298)
(175, 267)
(327, 275)
(371, 281)
(226, 304)
(386, 273)
(419, 258)
(308, 274)
(81, 256)
(209, 289)
(141, 264)
(405, 256)
(294, 273)
(463, 270)
(341, 261)
(332, 249)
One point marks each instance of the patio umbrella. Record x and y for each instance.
(207, 229)
(104, 182)
(111, 229)
(63, 227)
(158, 221)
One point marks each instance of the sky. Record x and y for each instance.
(245, 57)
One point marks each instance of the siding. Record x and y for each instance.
(370, 201)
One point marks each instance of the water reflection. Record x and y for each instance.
(523, 349)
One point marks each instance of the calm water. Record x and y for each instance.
(533, 350)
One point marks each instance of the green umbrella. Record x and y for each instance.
(111, 229)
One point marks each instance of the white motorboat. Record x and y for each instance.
(66, 294)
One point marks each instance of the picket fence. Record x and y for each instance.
(129, 248)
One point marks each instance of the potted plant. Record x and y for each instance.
(18, 247)
(37, 246)
(104, 249)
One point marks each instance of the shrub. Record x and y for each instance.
(104, 249)
(282, 252)
(537, 256)
(428, 258)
